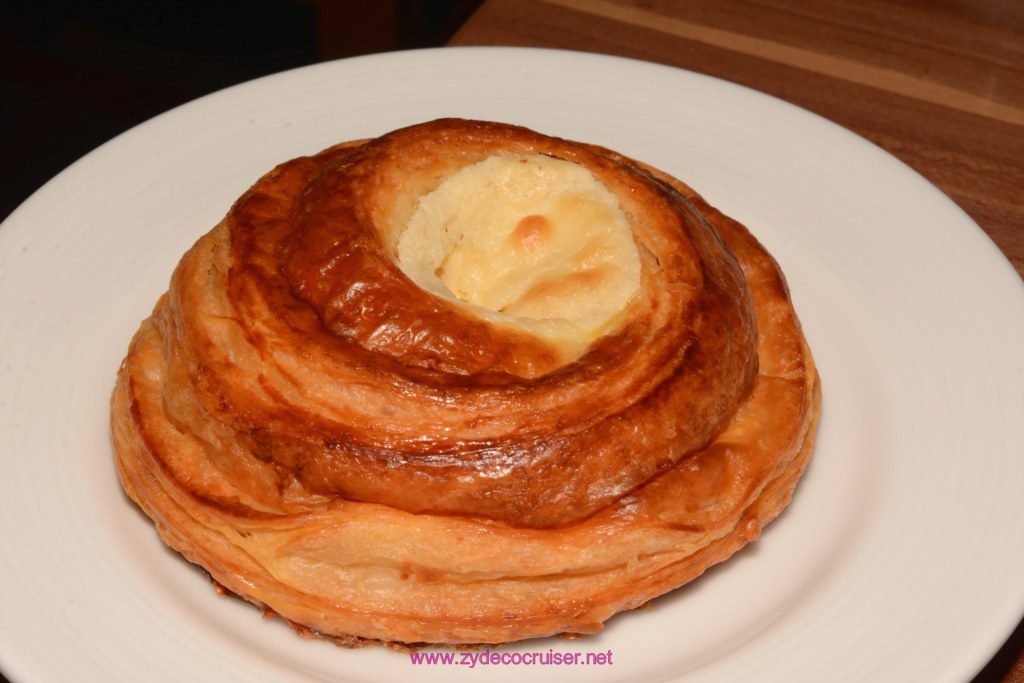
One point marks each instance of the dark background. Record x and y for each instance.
(74, 74)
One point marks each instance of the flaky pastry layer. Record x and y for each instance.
(373, 462)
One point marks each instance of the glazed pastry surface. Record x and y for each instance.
(465, 383)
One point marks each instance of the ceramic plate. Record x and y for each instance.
(900, 558)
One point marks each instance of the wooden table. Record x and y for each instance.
(937, 83)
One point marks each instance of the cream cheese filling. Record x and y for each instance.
(529, 241)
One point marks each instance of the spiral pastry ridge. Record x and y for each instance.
(465, 383)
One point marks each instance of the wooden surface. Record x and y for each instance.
(939, 84)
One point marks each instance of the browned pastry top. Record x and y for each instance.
(336, 374)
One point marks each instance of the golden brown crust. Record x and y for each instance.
(374, 463)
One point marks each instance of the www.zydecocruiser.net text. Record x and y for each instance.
(471, 660)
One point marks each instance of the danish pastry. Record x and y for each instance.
(465, 383)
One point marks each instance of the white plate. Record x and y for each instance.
(900, 559)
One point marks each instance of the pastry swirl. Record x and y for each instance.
(381, 426)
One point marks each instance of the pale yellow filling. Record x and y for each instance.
(533, 242)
